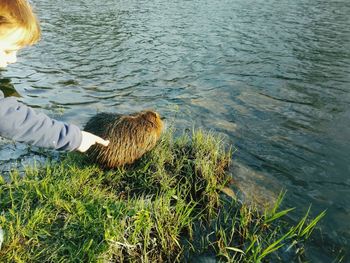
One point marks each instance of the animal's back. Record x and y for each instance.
(130, 136)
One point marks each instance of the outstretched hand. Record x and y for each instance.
(89, 139)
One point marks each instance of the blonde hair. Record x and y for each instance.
(18, 14)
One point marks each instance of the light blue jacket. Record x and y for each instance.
(21, 123)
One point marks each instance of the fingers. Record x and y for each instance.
(89, 139)
(102, 141)
(99, 140)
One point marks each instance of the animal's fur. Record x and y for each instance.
(130, 136)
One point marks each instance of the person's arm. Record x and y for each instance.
(21, 123)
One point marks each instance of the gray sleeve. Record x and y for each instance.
(21, 123)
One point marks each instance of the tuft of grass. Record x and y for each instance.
(167, 207)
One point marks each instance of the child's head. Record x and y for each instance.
(19, 27)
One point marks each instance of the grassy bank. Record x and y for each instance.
(168, 207)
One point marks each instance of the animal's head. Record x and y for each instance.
(148, 120)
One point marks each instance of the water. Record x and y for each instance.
(272, 76)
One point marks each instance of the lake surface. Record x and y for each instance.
(273, 77)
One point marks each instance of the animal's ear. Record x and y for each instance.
(148, 114)
(155, 114)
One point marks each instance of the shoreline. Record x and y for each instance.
(167, 207)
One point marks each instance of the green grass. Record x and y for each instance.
(168, 207)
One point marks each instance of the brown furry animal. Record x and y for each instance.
(130, 136)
